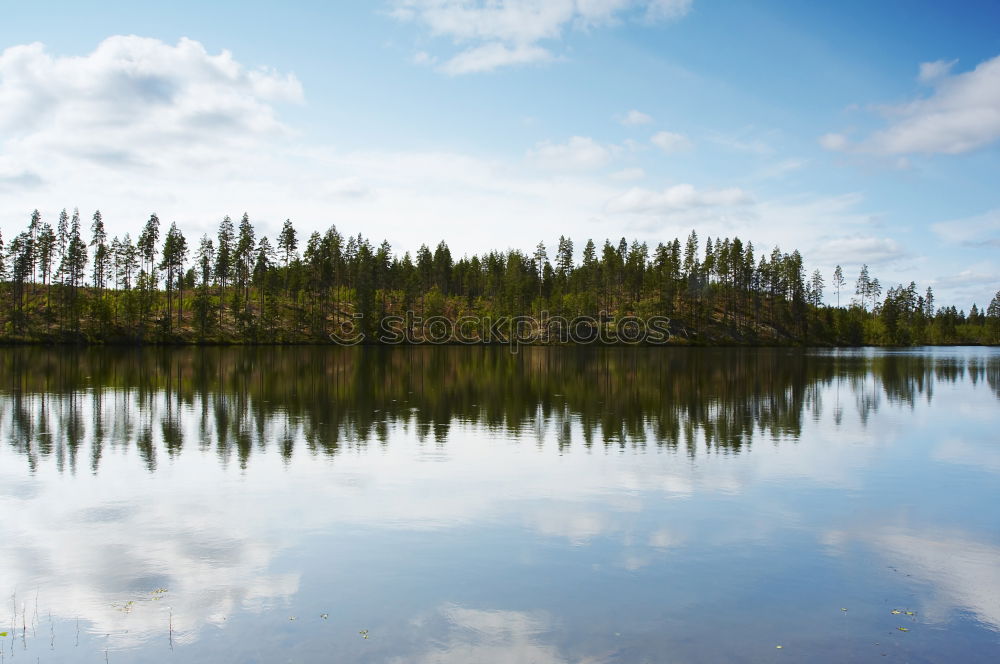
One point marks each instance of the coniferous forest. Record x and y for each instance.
(71, 283)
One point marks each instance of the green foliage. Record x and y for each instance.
(241, 288)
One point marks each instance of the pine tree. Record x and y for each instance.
(224, 261)
(863, 286)
(62, 243)
(816, 288)
(101, 253)
(564, 260)
(45, 249)
(287, 244)
(244, 255)
(206, 259)
(174, 254)
(33, 227)
(541, 258)
(838, 282)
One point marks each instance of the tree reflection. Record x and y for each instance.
(237, 400)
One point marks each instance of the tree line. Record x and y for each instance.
(64, 284)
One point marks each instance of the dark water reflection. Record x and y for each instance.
(469, 504)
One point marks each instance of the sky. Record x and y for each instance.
(856, 132)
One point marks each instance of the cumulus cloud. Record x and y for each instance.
(580, 152)
(961, 114)
(136, 102)
(676, 199)
(495, 33)
(635, 118)
(670, 142)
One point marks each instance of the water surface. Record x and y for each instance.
(473, 505)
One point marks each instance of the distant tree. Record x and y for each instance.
(174, 254)
(19, 259)
(76, 254)
(816, 289)
(993, 311)
(287, 243)
(443, 265)
(263, 263)
(205, 259)
(146, 245)
(32, 254)
(863, 286)
(74, 267)
(62, 243)
(874, 291)
(128, 261)
(224, 260)
(102, 254)
(564, 260)
(541, 257)
(45, 246)
(244, 255)
(838, 282)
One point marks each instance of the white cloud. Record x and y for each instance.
(960, 572)
(665, 539)
(479, 635)
(347, 187)
(859, 248)
(579, 527)
(493, 55)
(138, 103)
(496, 33)
(971, 283)
(676, 199)
(635, 118)
(961, 114)
(667, 10)
(670, 142)
(18, 180)
(752, 145)
(931, 71)
(423, 58)
(580, 152)
(781, 168)
(835, 142)
(979, 231)
(629, 174)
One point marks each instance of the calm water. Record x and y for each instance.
(470, 505)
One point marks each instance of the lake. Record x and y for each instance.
(469, 504)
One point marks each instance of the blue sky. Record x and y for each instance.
(853, 131)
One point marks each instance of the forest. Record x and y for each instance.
(65, 284)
